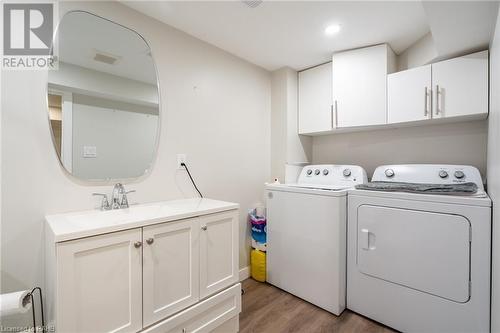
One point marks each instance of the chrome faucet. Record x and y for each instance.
(118, 198)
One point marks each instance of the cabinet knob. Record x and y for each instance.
(137, 244)
(204, 228)
(150, 241)
(184, 330)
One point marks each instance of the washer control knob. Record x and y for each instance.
(346, 172)
(389, 173)
(459, 174)
(317, 172)
(443, 174)
(309, 172)
(325, 172)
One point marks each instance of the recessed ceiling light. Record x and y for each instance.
(332, 29)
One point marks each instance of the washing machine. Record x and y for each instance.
(306, 234)
(419, 242)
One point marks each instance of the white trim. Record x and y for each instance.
(244, 273)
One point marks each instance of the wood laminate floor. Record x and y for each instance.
(267, 309)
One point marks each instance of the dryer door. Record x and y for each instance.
(425, 251)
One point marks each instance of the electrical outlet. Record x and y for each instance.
(181, 158)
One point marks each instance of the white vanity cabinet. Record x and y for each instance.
(173, 258)
(448, 89)
(99, 283)
(170, 268)
(315, 99)
(360, 85)
(218, 252)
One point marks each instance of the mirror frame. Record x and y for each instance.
(108, 181)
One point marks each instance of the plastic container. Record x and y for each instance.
(259, 227)
(258, 265)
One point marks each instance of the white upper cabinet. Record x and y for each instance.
(315, 99)
(461, 86)
(360, 85)
(409, 95)
(100, 283)
(171, 268)
(218, 252)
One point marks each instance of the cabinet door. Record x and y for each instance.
(409, 95)
(100, 283)
(360, 86)
(315, 99)
(461, 86)
(171, 268)
(218, 252)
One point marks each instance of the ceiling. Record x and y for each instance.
(81, 35)
(291, 33)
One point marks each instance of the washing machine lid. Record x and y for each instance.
(296, 188)
(325, 179)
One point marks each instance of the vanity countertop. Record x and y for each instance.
(69, 226)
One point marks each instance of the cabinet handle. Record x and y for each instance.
(204, 228)
(331, 116)
(137, 244)
(150, 241)
(184, 330)
(336, 115)
(438, 95)
(426, 104)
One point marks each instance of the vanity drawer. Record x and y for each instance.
(205, 316)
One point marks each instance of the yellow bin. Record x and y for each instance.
(258, 265)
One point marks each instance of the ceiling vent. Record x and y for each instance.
(106, 58)
(252, 4)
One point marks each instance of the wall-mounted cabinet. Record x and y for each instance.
(461, 86)
(452, 88)
(315, 99)
(366, 93)
(409, 95)
(360, 85)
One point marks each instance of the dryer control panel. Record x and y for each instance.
(331, 176)
(429, 174)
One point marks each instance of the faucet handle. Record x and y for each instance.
(105, 202)
(124, 203)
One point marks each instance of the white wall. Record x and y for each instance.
(288, 149)
(494, 172)
(421, 53)
(460, 143)
(215, 108)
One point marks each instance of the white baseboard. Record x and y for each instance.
(244, 273)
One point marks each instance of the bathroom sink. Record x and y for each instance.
(69, 226)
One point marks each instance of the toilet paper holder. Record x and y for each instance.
(30, 297)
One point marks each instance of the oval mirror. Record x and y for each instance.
(103, 99)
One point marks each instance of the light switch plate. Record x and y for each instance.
(89, 151)
(181, 158)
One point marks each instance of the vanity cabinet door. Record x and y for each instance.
(170, 268)
(100, 283)
(218, 252)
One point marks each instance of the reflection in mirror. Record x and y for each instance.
(103, 102)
